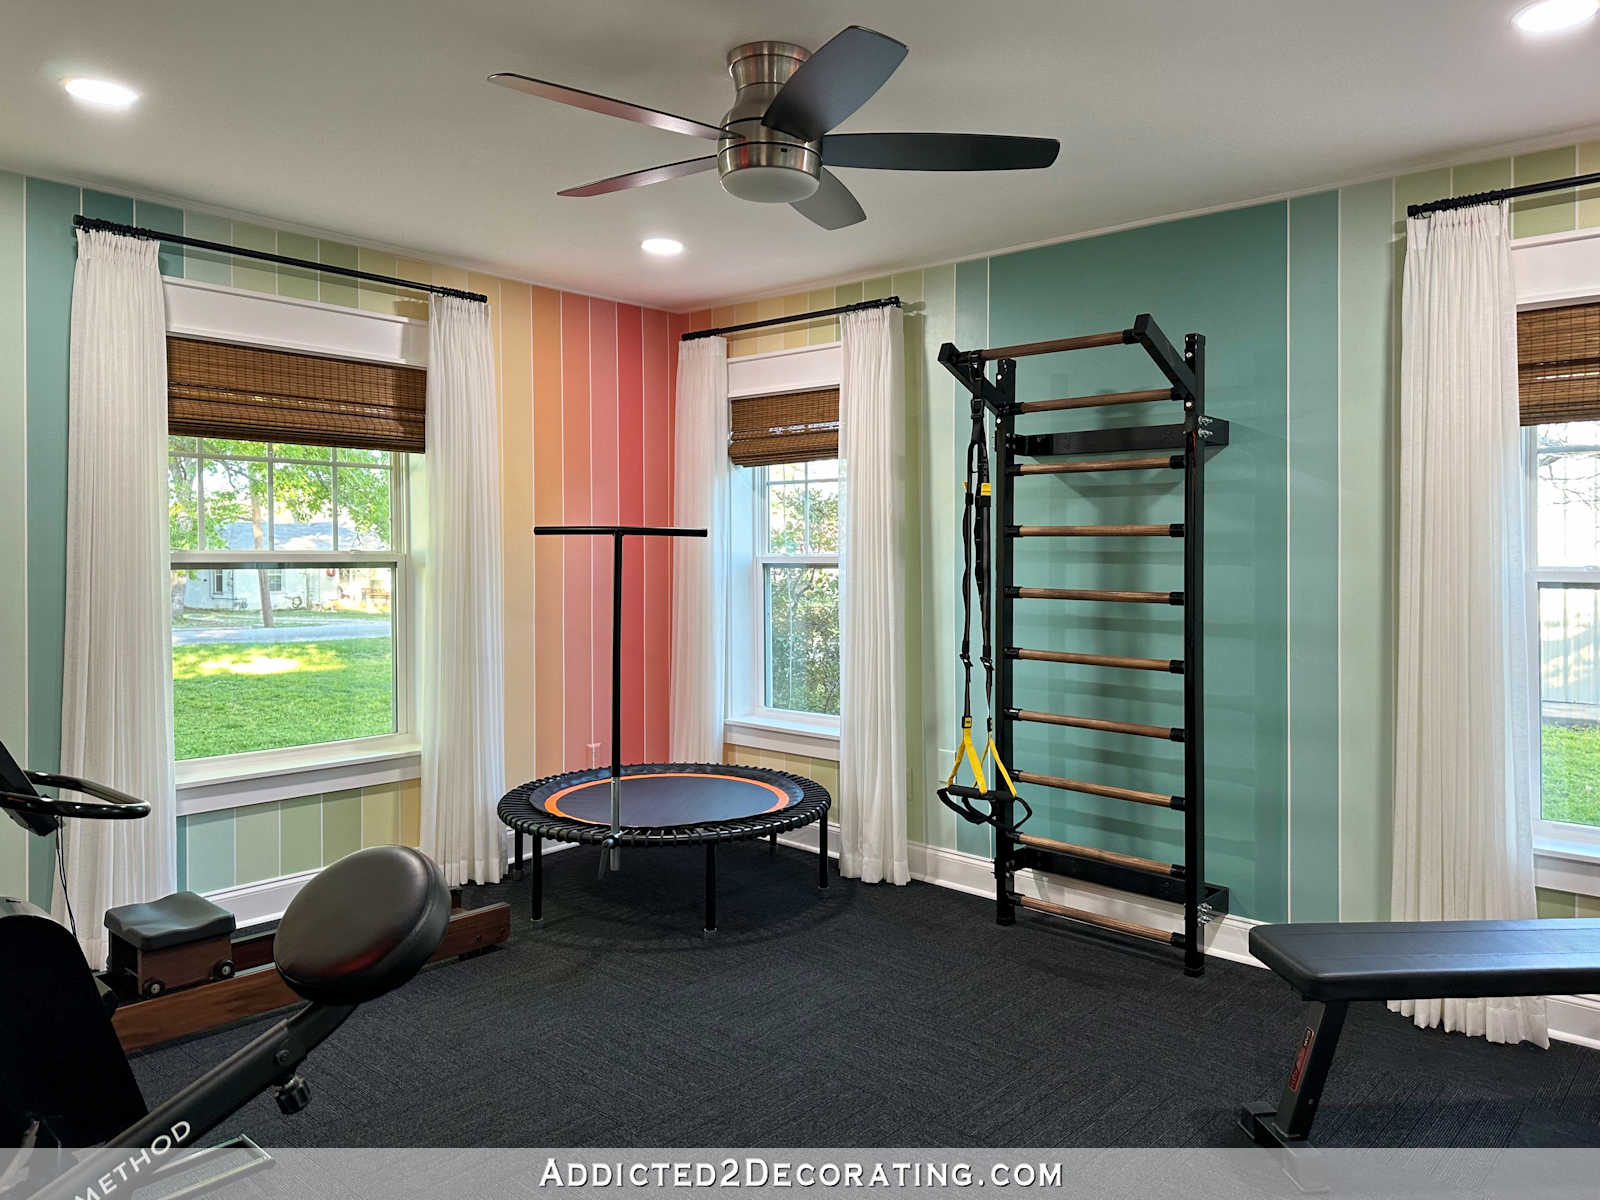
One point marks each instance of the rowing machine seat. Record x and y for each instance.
(369, 949)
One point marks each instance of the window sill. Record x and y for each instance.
(236, 781)
(784, 735)
(1566, 866)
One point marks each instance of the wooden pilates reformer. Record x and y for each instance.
(1183, 446)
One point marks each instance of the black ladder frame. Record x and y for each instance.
(1187, 445)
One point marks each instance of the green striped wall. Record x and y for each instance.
(1299, 300)
(232, 847)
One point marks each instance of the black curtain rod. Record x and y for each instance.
(83, 222)
(805, 316)
(1510, 193)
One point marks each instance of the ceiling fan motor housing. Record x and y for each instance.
(763, 164)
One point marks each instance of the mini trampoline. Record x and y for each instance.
(657, 804)
(665, 804)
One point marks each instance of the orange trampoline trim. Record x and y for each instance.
(551, 803)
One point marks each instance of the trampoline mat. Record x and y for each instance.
(673, 798)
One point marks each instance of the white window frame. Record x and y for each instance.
(402, 742)
(750, 722)
(1556, 835)
(1551, 271)
(761, 559)
(215, 312)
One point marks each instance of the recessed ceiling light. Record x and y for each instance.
(662, 247)
(101, 93)
(1554, 16)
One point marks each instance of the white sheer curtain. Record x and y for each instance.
(462, 695)
(116, 697)
(700, 569)
(1464, 758)
(872, 597)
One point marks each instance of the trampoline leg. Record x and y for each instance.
(822, 852)
(772, 844)
(711, 887)
(536, 870)
(516, 855)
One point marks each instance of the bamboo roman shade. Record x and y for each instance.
(245, 392)
(787, 428)
(1558, 364)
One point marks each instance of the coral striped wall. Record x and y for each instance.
(587, 387)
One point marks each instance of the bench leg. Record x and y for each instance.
(1289, 1124)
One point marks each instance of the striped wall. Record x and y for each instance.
(586, 402)
(1299, 299)
(233, 847)
(823, 770)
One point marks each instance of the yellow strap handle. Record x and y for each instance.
(969, 751)
(990, 751)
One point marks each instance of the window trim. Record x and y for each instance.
(196, 778)
(1557, 838)
(760, 713)
(1554, 269)
(748, 721)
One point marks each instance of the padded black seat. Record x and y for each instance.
(363, 926)
(170, 921)
(1412, 960)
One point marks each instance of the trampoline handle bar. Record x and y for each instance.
(617, 531)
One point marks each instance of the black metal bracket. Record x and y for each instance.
(1148, 334)
(968, 368)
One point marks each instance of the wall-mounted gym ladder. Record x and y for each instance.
(1181, 447)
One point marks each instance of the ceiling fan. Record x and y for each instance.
(774, 144)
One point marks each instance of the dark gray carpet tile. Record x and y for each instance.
(862, 1016)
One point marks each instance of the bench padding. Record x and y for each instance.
(1411, 960)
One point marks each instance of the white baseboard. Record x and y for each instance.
(1574, 1019)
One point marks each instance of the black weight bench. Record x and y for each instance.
(1332, 964)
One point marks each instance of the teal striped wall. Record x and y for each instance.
(1225, 275)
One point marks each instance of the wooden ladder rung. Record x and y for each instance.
(1132, 861)
(1064, 403)
(1174, 530)
(1091, 918)
(1166, 733)
(1132, 795)
(1173, 666)
(1107, 597)
(1057, 345)
(1148, 463)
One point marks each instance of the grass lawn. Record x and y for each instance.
(231, 698)
(1570, 786)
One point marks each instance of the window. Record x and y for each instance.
(796, 578)
(289, 573)
(1564, 570)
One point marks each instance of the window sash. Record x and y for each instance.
(272, 461)
(1545, 831)
(403, 601)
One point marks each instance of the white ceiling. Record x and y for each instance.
(372, 121)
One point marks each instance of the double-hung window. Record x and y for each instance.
(1559, 361)
(784, 604)
(796, 576)
(291, 580)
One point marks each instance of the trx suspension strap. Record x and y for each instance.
(975, 572)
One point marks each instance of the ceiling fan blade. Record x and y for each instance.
(644, 178)
(834, 82)
(939, 151)
(831, 205)
(607, 105)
